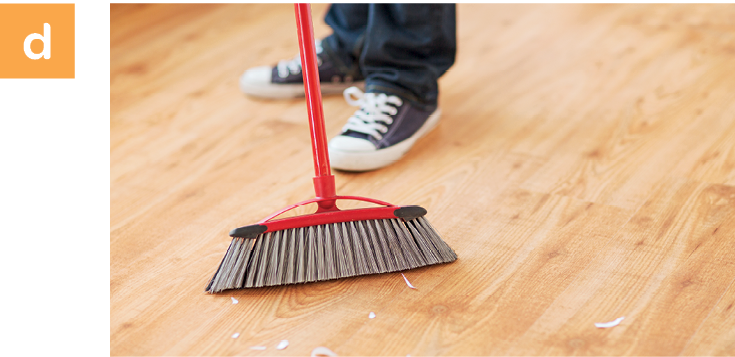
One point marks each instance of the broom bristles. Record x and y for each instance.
(330, 251)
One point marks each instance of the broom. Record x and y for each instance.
(329, 243)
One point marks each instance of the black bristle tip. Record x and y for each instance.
(251, 231)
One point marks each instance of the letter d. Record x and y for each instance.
(46, 39)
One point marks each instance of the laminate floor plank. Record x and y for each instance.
(715, 336)
(532, 246)
(664, 271)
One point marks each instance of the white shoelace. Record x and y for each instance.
(374, 113)
(293, 66)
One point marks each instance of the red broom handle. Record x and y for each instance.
(324, 180)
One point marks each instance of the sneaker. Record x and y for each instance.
(380, 132)
(285, 79)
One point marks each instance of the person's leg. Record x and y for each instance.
(344, 45)
(407, 48)
(337, 56)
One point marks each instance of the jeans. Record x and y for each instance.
(400, 49)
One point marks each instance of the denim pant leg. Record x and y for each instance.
(344, 45)
(407, 47)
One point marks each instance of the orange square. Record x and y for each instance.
(36, 40)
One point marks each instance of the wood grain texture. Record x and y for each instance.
(583, 170)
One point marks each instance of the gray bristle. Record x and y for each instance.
(330, 251)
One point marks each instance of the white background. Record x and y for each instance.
(55, 202)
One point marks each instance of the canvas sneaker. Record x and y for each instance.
(380, 132)
(285, 80)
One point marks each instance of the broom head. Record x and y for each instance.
(329, 244)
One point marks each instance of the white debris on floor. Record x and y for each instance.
(258, 348)
(281, 345)
(234, 301)
(322, 351)
(609, 324)
(371, 315)
(408, 282)
(235, 335)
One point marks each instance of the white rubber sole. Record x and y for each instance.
(257, 83)
(348, 160)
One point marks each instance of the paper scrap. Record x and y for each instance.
(281, 345)
(234, 301)
(258, 348)
(609, 324)
(371, 315)
(235, 335)
(322, 351)
(407, 282)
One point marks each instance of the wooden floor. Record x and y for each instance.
(583, 170)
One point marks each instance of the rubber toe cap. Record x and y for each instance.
(350, 144)
(256, 76)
